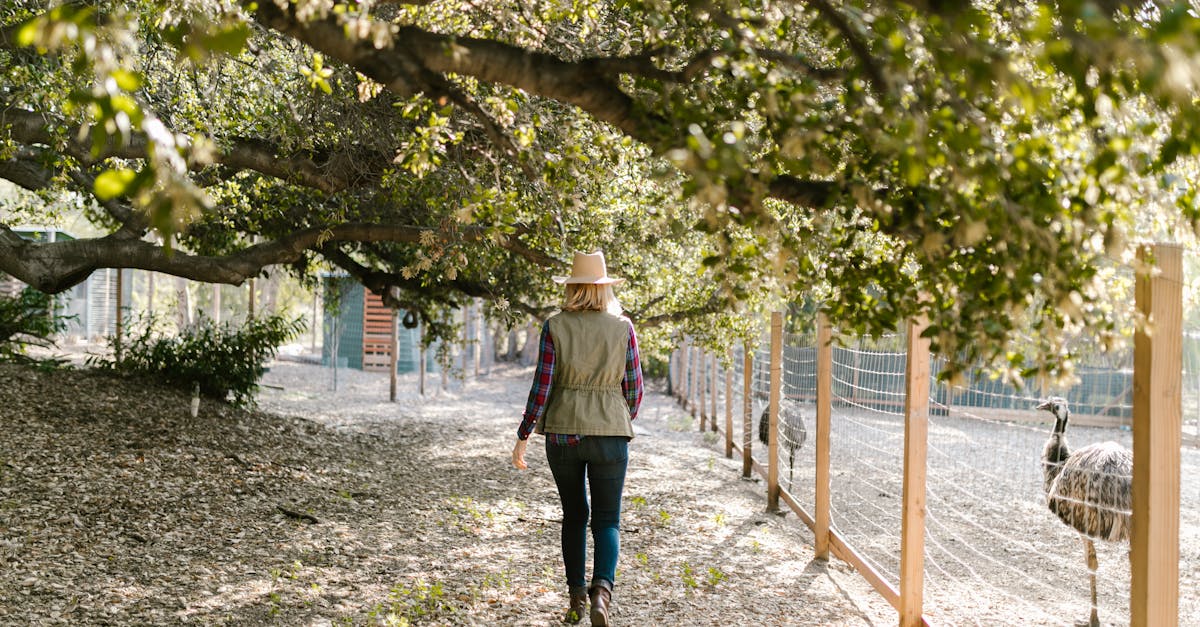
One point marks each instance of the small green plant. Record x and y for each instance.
(715, 576)
(679, 422)
(689, 576)
(223, 360)
(719, 518)
(664, 516)
(643, 559)
(407, 603)
(637, 502)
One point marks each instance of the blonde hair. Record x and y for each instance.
(591, 297)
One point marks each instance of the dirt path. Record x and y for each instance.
(118, 508)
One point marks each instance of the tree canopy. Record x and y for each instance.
(979, 164)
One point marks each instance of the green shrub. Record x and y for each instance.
(225, 361)
(25, 321)
(654, 367)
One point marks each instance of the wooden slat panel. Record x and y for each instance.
(378, 327)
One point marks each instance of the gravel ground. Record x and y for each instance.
(340, 507)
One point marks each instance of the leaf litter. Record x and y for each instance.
(331, 507)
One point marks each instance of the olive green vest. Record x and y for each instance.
(589, 365)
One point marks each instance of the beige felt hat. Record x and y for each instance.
(589, 268)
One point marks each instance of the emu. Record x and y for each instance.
(1089, 490)
(791, 431)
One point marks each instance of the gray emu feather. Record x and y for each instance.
(1089, 490)
(792, 432)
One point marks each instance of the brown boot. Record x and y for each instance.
(600, 594)
(579, 599)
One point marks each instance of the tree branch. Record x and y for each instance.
(580, 84)
(25, 169)
(803, 192)
(714, 305)
(32, 128)
(856, 43)
(54, 267)
(585, 83)
(387, 283)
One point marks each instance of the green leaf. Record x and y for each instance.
(126, 79)
(113, 183)
(230, 40)
(28, 33)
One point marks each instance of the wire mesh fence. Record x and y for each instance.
(994, 551)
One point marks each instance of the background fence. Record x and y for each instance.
(990, 551)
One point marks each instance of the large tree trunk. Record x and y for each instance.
(529, 353)
(514, 348)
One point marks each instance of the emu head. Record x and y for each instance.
(1056, 405)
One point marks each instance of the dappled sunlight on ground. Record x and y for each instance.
(118, 508)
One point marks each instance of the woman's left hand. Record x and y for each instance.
(518, 454)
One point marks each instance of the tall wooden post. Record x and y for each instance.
(477, 347)
(250, 301)
(916, 432)
(747, 410)
(393, 357)
(317, 323)
(776, 374)
(673, 370)
(150, 292)
(466, 340)
(713, 388)
(824, 416)
(1157, 425)
(119, 314)
(694, 383)
(682, 392)
(420, 361)
(729, 407)
(702, 382)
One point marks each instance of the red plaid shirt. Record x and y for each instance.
(631, 387)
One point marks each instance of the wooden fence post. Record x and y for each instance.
(702, 381)
(480, 328)
(694, 384)
(824, 415)
(216, 303)
(466, 341)
(420, 360)
(773, 439)
(119, 314)
(673, 368)
(916, 431)
(713, 413)
(747, 410)
(683, 373)
(729, 407)
(1157, 423)
(393, 358)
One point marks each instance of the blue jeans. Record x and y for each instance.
(602, 461)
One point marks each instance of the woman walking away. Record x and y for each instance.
(585, 395)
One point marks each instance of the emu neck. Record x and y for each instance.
(1055, 453)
